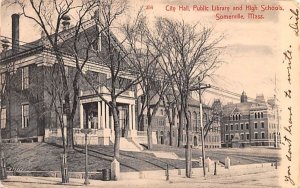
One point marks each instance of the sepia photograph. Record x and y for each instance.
(149, 93)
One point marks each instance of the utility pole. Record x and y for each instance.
(276, 114)
(201, 120)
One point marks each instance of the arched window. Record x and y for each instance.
(262, 115)
(239, 116)
(204, 118)
(194, 121)
(258, 115)
(255, 115)
(233, 117)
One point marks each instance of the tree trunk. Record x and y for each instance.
(188, 144)
(70, 134)
(117, 129)
(170, 136)
(180, 129)
(70, 143)
(3, 175)
(149, 130)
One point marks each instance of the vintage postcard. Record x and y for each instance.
(149, 93)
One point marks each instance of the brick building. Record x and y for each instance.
(161, 126)
(250, 123)
(27, 109)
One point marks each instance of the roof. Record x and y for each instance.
(191, 101)
(66, 47)
(244, 108)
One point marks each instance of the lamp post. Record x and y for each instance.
(86, 132)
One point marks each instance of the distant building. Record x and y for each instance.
(161, 127)
(248, 123)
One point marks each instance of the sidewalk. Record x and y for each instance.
(238, 176)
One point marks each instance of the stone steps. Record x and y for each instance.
(127, 145)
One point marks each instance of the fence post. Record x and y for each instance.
(227, 162)
(167, 173)
(215, 171)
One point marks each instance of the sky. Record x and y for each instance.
(253, 49)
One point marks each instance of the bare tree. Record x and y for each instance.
(188, 53)
(145, 60)
(4, 92)
(49, 17)
(115, 58)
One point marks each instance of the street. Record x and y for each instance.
(263, 175)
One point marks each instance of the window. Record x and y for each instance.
(231, 137)
(237, 126)
(2, 86)
(161, 112)
(255, 115)
(255, 125)
(247, 126)
(231, 127)
(262, 125)
(247, 136)
(262, 135)
(262, 115)
(25, 78)
(226, 127)
(194, 121)
(256, 135)
(242, 126)
(242, 136)
(3, 118)
(25, 115)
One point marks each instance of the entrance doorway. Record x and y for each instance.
(90, 115)
(162, 137)
(195, 141)
(123, 119)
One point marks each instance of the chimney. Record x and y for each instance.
(15, 32)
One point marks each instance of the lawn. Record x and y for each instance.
(46, 157)
(237, 155)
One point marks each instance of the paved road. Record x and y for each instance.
(238, 176)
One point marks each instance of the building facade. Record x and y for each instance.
(162, 132)
(248, 123)
(28, 111)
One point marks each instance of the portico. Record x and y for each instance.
(96, 115)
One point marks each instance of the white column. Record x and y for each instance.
(99, 115)
(81, 115)
(107, 117)
(103, 114)
(129, 117)
(133, 117)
